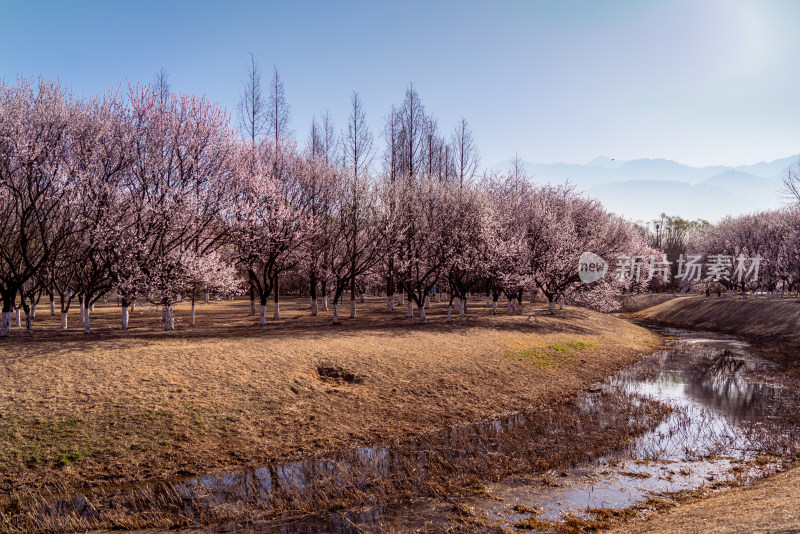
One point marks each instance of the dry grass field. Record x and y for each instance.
(111, 408)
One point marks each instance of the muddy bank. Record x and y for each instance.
(769, 320)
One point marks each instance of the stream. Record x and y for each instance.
(727, 423)
(703, 412)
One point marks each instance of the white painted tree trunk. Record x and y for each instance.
(29, 321)
(262, 318)
(325, 303)
(87, 322)
(53, 307)
(205, 300)
(439, 296)
(18, 312)
(427, 301)
(82, 308)
(335, 314)
(64, 320)
(169, 318)
(462, 308)
(410, 309)
(494, 307)
(400, 299)
(314, 307)
(488, 300)
(389, 303)
(450, 313)
(361, 298)
(508, 307)
(561, 303)
(551, 306)
(5, 324)
(276, 316)
(422, 317)
(191, 321)
(91, 307)
(125, 317)
(514, 305)
(133, 306)
(352, 308)
(33, 310)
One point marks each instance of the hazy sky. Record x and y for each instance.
(700, 82)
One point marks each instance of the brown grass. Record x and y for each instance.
(87, 411)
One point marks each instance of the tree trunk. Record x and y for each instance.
(314, 307)
(325, 302)
(52, 306)
(361, 298)
(191, 321)
(82, 307)
(551, 306)
(352, 306)
(277, 315)
(494, 307)
(450, 313)
(400, 298)
(205, 300)
(5, 324)
(169, 318)
(33, 310)
(561, 303)
(252, 301)
(262, 319)
(463, 311)
(29, 321)
(508, 307)
(410, 308)
(427, 303)
(422, 317)
(63, 320)
(133, 306)
(18, 313)
(389, 303)
(125, 315)
(87, 322)
(91, 306)
(336, 314)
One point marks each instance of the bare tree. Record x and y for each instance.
(791, 182)
(252, 106)
(161, 84)
(358, 154)
(465, 152)
(412, 125)
(277, 109)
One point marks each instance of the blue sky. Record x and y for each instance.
(701, 82)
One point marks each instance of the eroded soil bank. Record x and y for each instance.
(82, 413)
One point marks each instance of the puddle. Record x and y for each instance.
(701, 412)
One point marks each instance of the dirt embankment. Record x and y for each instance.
(81, 411)
(757, 318)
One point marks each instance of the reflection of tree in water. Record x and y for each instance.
(718, 382)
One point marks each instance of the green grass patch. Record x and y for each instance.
(580, 345)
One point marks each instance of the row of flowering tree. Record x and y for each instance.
(154, 197)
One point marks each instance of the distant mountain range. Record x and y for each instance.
(642, 189)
